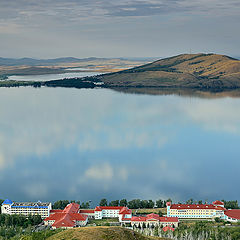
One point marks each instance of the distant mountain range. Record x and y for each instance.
(55, 61)
(205, 71)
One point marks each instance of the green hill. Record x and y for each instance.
(206, 71)
(97, 233)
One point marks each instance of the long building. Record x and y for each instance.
(197, 211)
(153, 220)
(26, 208)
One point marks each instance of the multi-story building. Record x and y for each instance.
(26, 208)
(67, 218)
(198, 211)
(113, 212)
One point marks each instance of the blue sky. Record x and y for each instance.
(122, 28)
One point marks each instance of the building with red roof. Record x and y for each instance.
(154, 220)
(88, 212)
(232, 215)
(67, 218)
(124, 214)
(198, 211)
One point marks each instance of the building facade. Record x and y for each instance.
(122, 213)
(197, 211)
(26, 208)
(154, 220)
(232, 215)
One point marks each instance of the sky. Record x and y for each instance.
(118, 28)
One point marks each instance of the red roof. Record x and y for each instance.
(64, 222)
(167, 228)
(72, 208)
(66, 217)
(100, 208)
(168, 219)
(152, 217)
(234, 213)
(218, 203)
(86, 211)
(192, 206)
(125, 210)
(138, 219)
(220, 208)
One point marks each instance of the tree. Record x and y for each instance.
(151, 204)
(189, 201)
(159, 203)
(85, 205)
(134, 204)
(1, 201)
(61, 204)
(200, 202)
(231, 204)
(123, 203)
(103, 202)
(144, 204)
(114, 203)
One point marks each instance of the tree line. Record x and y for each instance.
(61, 204)
(19, 220)
(135, 203)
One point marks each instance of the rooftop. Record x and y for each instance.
(234, 213)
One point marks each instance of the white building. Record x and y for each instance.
(26, 208)
(232, 215)
(202, 211)
(122, 213)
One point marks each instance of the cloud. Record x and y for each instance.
(25, 10)
(100, 172)
(36, 190)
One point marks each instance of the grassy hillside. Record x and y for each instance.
(97, 233)
(186, 71)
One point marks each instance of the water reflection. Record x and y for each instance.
(89, 144)
(49, 77)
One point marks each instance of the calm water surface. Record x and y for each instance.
(48, 77)
(90, 144)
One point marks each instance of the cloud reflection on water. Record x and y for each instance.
(88, 144)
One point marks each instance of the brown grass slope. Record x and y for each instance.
(186, 70)
(99, 233)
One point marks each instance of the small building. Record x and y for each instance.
(67, 218)
(26, 208)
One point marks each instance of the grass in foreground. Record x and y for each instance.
(97, 233)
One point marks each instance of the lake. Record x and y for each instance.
(48, 77)
(88, 144)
